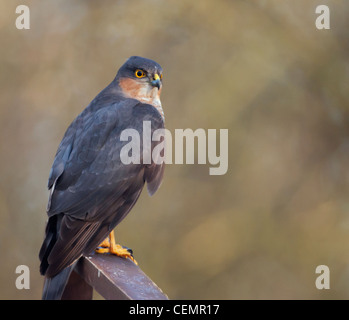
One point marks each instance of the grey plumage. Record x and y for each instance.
(91, 189)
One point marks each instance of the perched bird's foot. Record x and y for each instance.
(109, 246)
(122, 252)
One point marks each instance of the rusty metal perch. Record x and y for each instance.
(113, 278)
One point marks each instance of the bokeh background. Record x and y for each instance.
(258, 68)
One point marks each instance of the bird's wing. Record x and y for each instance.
(91, 189)
(87, 166)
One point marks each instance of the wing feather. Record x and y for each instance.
(91, 189)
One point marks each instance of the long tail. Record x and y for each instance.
(54, 287)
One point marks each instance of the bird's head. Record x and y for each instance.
(140, 78)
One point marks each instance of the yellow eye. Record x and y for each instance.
(139, 73)
(161, 76)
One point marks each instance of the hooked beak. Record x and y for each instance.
(156, 82)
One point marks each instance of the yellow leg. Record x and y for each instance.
(109, 246)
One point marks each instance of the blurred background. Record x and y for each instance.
(258, 68)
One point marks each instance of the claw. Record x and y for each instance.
(129, 250)
(109, 246)
(102, 250)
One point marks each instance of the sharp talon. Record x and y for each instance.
(109, 246)
(129, 250)
(102, 250)
(122, 252)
